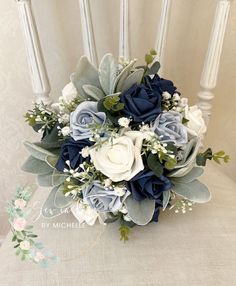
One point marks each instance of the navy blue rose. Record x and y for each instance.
(147, 185)
(142, 102)
(71, 150)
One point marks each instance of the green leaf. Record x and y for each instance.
(171, 163)
(52, 137)
(37, 152)
(153, 69)
(134, 78)
(85, 73)
(166, 198)
(148, 59)
(120, 79)
(124, 232)
(49, 210)
(36, 166)
(154, 164)
(191, 176)
(51, 161)
(60, 200)
(153, 52)
(194, 191)
(93, 91)
(45, 180)
(58, 178)
(107, 73)
(141, 212)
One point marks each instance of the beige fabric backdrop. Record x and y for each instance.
(60, 32)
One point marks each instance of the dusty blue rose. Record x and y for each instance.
(103, 199)
(85, 114)
(168, 126)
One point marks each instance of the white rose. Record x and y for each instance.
(69, 93)
(196, 125)
(121, 159)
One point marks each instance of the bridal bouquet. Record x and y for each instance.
(121, 144)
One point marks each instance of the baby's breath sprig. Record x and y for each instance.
(79, 178)
(181, 205)
(170, 102)
(41, 118)
(165, 155)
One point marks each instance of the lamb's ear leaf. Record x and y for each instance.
(35, 166)
(141, 212)
(58, 178)
(120, 79)
(194, 191)
(49, 210)
(190, 176)
(37, 151)
(107, 73)
(93, 91)
(60, 200)
(166, 198)
(51, 161)
(45, 180)
(85, 73)
(134, 78)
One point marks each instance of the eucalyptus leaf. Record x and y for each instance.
(35, 166)
(194, 191)
(93, 91)
(141, 212)
(85, 73)
(60, 200)
(45, 180)
(52, 136)
(191, 176)
(107, 73)
(166, 199)
(134, 78)
(120, 79)
(36, 151)
(58, 178)
(153, 69)
(154, 164)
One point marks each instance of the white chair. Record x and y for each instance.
(195, 249)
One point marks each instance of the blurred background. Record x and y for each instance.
(61, 39)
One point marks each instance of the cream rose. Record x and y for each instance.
(121, 159)
(196, 125)
(69, 93)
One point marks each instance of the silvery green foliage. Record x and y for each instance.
(96, 84)
(45, 180)
(85, 74)
(122, 76)
(166, 198)
(37, 151)
(134, 78)
(93, 91)
(56, 203)
(190, 188)
(141, 212)
(107, 73)
(35, 166)
(194, 191)
(58, 178)
(188, 161)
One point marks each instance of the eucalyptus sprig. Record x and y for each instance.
(41, 118)
(218, 157)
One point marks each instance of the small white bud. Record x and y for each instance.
(124, 122)
(166, 95)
